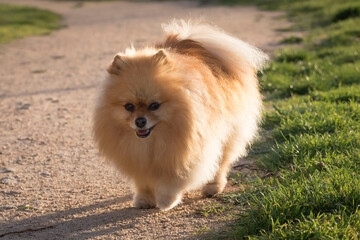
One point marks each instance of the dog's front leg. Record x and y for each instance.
(167, 196)
(144, 197)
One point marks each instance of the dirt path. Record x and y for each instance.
(53, 184)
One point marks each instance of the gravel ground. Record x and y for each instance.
(53, 183)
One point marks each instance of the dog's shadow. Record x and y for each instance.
(67, 224)
(98, 220)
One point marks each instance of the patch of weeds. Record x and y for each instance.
(218, 210)
(201, 229)
(24, 207)
(21, 21)
(321, 226)
(346, 13)
(292, 55)
(38, 71)
(287, 29)
(292, 40)
(343, 94)
(339, 55)
(314, 117)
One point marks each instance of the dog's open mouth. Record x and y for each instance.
(143, 133)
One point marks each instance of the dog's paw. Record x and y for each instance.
(167, 203)
(213, 188)
(167, 198)
(143, 201)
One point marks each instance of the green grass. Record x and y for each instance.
(292, 40)
(22, 21)
(311, 135)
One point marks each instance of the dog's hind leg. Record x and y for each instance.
(231, 152)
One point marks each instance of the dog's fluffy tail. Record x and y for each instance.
(228, 49)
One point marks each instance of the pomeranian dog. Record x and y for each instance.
(173, 117)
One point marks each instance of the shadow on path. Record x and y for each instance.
(79, 223)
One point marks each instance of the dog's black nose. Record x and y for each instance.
(140, 122)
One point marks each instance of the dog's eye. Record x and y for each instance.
(154, 106)
(129, 107)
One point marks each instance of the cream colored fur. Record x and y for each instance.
(207, 116)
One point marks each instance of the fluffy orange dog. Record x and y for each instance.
(175, 116)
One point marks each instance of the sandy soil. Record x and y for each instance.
(53, 183)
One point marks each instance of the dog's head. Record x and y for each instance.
(143, 93)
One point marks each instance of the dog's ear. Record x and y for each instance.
(117, 65)
(160, 57)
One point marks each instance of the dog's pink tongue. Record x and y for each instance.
(142, 132)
